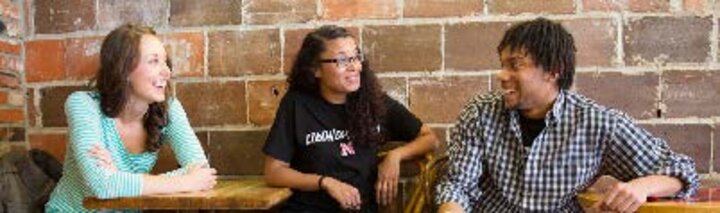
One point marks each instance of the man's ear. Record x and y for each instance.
(552, 76)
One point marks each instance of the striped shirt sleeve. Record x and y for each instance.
(85, 131)
(460, 184)
(182, 139)
(634, 152)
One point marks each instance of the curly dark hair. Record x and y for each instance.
(119, 56)
(365, 107)
(548, 43)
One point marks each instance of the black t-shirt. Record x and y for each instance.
(530, 128)
(311, 134)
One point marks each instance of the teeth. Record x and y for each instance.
(158, 83)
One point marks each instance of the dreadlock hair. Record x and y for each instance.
(365, 107)
(119, 56)
(548, 43)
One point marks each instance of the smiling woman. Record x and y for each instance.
(116, 130)
(325, 138)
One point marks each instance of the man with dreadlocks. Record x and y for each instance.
(533, 146)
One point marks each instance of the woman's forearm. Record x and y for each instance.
(425, 142)
(278, 173)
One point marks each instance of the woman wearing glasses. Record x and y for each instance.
(324, 141)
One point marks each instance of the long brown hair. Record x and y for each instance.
(365, 107)
(119, 56)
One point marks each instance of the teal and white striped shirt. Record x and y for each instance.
(81, 175)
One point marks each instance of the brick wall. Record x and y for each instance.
(655, 59)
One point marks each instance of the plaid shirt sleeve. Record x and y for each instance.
(460, 182)
(633, 152)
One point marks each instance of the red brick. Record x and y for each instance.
(442, 8)
(28, 21)
(214, 103)
(16, 98)
(630, 5)
(603, 5)
(649, 5)
(696, 6)
(293, 41)
(237, 53)
(52, 102)
(187, 53)
(199, 13)
(11, 116)
(8, 80)
(395, 88)
(166, 160)
(594, 40)
(113, 13)
(531, 6)
(53, 143)
(82, 57)
(473, 46)
(636, 95)
(3, 97)
(11, 63)
(441, 133)
(716, 149)
(44, 60)
(263, 100)
(403, 48)
(690, 139)
(691, 93)
(280, 11)
(656, 39)
(9, 9)
(229, 148)
(439, 100)
(31, 107)
(359, 9)
(12, 134)
(4, 135)
(53, 16)
(9, 48)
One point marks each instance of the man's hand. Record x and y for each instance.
(622, 197)
(450, 207)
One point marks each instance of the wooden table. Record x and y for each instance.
(244, 194)
(706, 200)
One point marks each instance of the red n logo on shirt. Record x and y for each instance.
(346, 149)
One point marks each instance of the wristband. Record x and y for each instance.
(320, 182)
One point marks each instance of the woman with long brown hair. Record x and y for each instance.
(116, 130)
(324, 141)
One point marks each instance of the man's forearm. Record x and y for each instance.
(658, 185)
(450, 207)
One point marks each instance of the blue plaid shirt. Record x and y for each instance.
(489, 169)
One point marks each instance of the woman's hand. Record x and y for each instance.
(347, 195)
(388, 174)
(103, 157)
(199, 177)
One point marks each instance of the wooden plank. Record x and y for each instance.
(244, 194)
(707, 199)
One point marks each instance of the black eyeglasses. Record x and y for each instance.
(343, 62)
